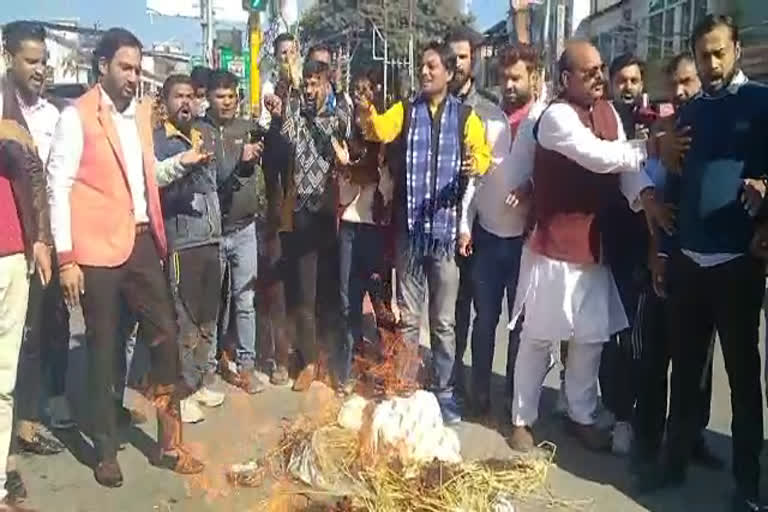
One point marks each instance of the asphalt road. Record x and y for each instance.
(245, 426)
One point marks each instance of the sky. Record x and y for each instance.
(131, 14)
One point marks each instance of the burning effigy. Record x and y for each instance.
(386, 449)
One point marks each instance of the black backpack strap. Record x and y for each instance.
(464, 112)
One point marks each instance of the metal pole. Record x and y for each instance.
(206, 14)
(411, 49)
(254, 30)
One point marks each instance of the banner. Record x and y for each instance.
(223, 10)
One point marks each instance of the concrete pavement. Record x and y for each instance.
(245, 426)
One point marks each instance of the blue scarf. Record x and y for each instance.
(432, 179)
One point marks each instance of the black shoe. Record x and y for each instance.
(40, 445)
(741, 504)
(704, 456)
(108, 473)
(14, 486)
(658, 476)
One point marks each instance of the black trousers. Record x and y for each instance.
(653, 388)
(728, 298)
(140, 285)
(45, 348)
(274, 342)
(310, 271)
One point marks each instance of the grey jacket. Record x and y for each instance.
(241, 189)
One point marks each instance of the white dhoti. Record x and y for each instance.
(562, 301)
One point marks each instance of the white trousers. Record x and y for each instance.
(581, 370)
(14, 292)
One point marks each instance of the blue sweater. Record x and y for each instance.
(730, 143)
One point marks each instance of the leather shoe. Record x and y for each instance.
(40, 445)
(305, 378)
(108, 473)
(521, 439)
(249, 383)
(178, 461)
(14, 486)
(704, 456)
(591, 437)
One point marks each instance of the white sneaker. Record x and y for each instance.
(561, 406)
(208, 397)
(622, 438)
(191, 411)
(61, 415)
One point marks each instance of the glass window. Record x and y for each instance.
(685, 24)
(655, 5)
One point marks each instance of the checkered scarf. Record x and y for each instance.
(433, 179)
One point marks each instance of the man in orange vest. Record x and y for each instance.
(110, 240)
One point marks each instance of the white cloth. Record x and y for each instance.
(64, 164)
(515, 168)
(14, 293)
(567, 301)
(581, 371)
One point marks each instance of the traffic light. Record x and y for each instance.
(255, 5)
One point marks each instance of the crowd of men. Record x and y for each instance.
(621, 236)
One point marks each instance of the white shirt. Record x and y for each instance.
(516, 166)
(499, 139)
(41, 119)
(561, 130)
(64, 163)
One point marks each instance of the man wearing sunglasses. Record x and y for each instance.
(565, 286)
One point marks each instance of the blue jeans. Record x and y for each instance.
(360, 254)
(495, 269)
(438, 277)
(239, 255)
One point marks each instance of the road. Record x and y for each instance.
(245, 426)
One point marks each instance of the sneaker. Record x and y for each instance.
(622, 438)
(280, 376)
(207, 397)
(191, 411)
(61, 415)
(450, 410)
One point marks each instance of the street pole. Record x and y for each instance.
(206, 15)
(254, 31)
(411, 50)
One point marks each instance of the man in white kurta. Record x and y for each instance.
(567, 292)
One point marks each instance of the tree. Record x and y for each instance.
(342, 22)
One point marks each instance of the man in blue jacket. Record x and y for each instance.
(712, 278)
(190, 203)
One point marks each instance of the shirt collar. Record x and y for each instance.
(737, 81)
(171, 131)
(40, 104)
(106, 101)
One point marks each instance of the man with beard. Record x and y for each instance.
(565, 287)
(193, 228)
(444, 145)
(489, 209)
(45, 347)
(713, 279)
(310, 263)
(109, 235)
(651, 410)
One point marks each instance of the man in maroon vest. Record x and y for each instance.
(582, 163)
